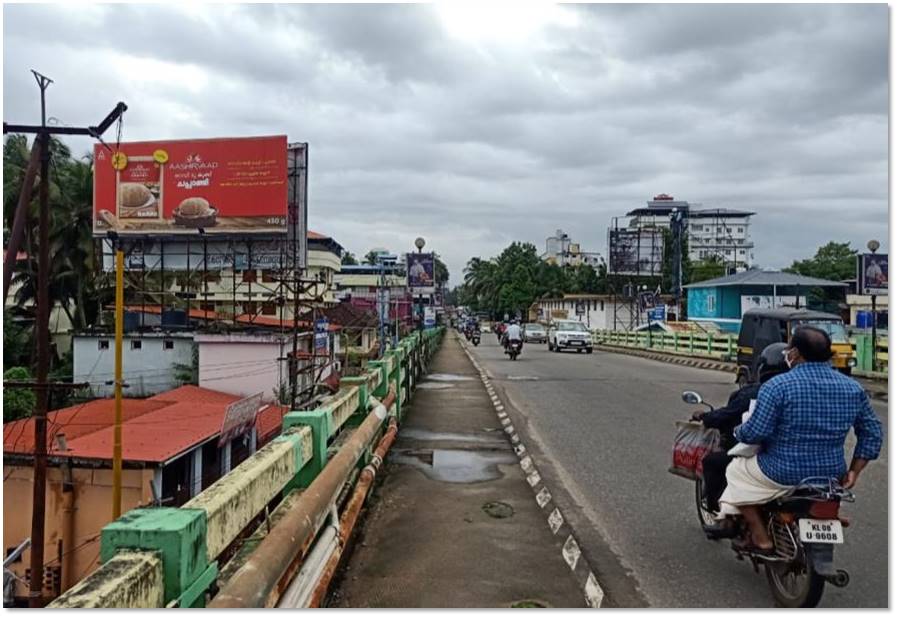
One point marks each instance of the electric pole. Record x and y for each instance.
(42, 326)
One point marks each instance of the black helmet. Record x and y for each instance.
(772, 362)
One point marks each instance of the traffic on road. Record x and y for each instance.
(603, 427)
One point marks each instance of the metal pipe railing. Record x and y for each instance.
(351, 513)
(255, 585)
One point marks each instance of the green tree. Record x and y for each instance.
(835, 261)
(441, 271)
(706, 269)
(371, 257)
(348, 259)
(17, 402)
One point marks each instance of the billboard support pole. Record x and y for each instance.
(119, 335)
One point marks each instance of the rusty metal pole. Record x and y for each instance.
(18, 225)
(119, 379)
(42, 333)
(255, 585)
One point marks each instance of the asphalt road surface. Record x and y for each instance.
(602, 427)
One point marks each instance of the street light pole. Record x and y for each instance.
(873, 245)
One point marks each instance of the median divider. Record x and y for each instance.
(169, 557)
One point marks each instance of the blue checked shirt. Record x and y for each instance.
(801, 420)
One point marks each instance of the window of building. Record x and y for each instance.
(102, 345)
(711, 304)
(739, 229)
(269, 308)
(269, 276)
(250, 308)
(250, 276)
(602, 305)
(135, 345)
(719, 230)
(741, 251)
(207, 306)
(168, 345)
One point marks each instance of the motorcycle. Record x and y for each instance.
(804, 526)
(514, 348)
(475, 338)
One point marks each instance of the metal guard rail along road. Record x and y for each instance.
(169, 557)
(724, 347)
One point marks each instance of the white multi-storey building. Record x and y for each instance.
(712, 232)
(561, 250)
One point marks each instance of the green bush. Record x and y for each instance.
(17, 402)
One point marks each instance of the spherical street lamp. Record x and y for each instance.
(419, 243)
(873, 245)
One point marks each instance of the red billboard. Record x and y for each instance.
(221, 186)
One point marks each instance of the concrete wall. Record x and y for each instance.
(599, 312)
(92, 510)
(148, 370)
(243, 364)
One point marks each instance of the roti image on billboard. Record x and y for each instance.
(421, 277)
(222, 186)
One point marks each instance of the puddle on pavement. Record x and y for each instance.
(426, 385)
(422, 435)
(460, 466)
(447, 377)
(498, 509)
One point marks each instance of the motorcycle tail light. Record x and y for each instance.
(825, 509)
(786, 517)
(845, 522)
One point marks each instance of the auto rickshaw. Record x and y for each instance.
(762, 327)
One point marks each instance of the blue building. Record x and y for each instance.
(724, 300)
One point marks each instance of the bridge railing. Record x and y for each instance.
(724, 346)
(167, 557)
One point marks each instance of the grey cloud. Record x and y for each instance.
(781, 109)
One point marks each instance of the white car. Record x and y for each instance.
(569, 334)
(534, 333)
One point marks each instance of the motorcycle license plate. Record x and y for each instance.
(821, 530)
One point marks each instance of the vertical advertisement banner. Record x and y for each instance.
(873, 274)
(221, 186)
(421, 273)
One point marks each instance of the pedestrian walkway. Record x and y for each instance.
(454, 523)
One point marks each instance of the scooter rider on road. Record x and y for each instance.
(512, 333)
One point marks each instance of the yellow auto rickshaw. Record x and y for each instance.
(762, 327)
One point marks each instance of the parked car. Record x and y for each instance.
(569, 334)
(534, 333)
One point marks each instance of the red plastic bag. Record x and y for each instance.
(693, 442)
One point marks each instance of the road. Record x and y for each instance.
(602, 426)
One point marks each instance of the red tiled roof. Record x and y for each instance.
(313, 235)
(256, 320)
(154, 430)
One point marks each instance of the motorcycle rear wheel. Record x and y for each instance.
(794, 585)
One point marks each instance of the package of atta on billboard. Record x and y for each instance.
(221, 186)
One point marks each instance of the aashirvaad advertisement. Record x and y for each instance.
(220, 186)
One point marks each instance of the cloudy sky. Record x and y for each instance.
(474, 125)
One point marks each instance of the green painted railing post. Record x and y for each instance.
(676, 341)
(691, 343)
(320, 421)
(179, 536)
(730, 347)
(709, 344)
